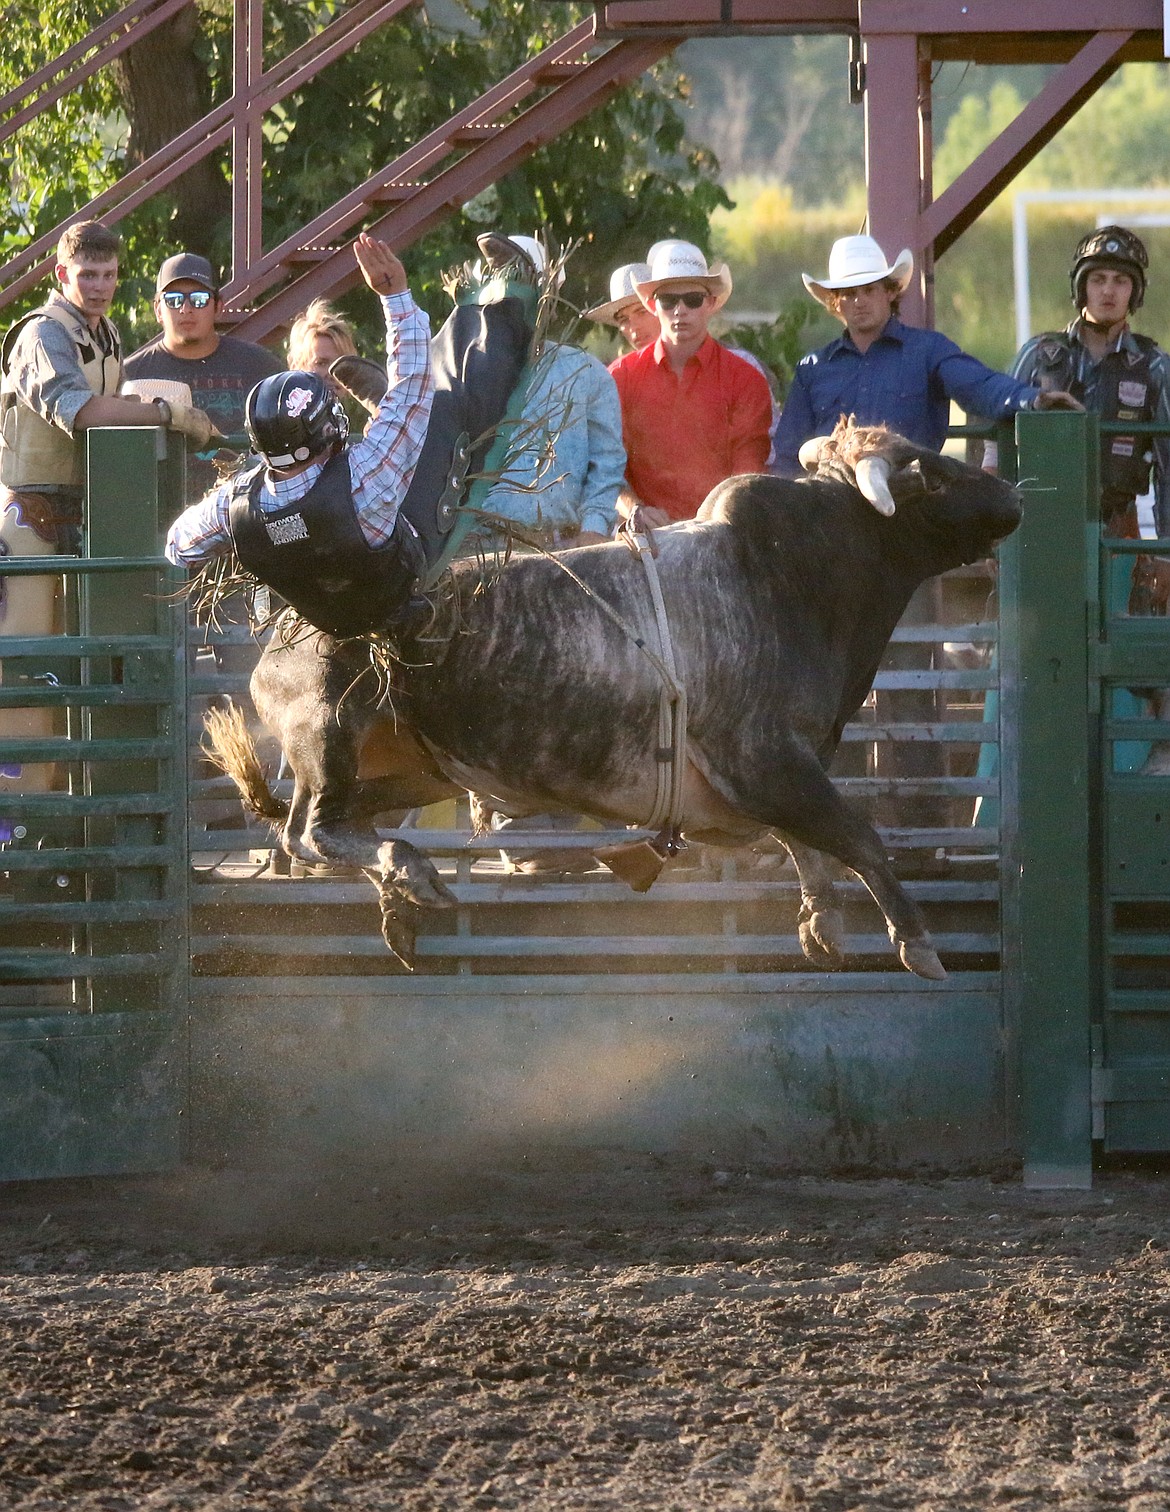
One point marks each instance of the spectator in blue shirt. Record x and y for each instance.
(885, 372)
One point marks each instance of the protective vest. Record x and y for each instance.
(1126, 390)
(33, 451)
(313, 553)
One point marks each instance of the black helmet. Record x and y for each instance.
(1110, 247)
(291, 417)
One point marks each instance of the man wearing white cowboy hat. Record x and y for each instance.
(693, 413)
(883, 371)
(624, 309)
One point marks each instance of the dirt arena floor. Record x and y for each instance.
(605, 1333)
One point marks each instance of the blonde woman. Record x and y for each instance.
(319, 335)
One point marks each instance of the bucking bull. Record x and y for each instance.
(541, 694)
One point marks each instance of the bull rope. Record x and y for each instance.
(670, 757)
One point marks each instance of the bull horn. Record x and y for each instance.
(873, 479)
(809, 455)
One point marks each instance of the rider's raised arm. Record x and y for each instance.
(382, 462)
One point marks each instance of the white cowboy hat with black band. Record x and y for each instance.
(855, 261)
(680, 262)
(623, 291)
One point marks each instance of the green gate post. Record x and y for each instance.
(130, 471)
(1048, 586)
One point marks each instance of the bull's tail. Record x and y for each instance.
(231, 748)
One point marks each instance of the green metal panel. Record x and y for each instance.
(1137, 838)
(91, 1094)
(799, 1070)
(1046, 567)
(94, 922)
(1131, 1085)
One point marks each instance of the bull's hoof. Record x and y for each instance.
(821, 939)
(408, 873)
(920, 958)
(399, 925)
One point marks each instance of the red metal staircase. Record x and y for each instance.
(406, 198)
(401, 200)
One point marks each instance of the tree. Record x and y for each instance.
(774, 108)
(72, 151)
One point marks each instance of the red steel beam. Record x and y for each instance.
(482, 166)
(247, 136)
(982, 17)
(698, 17)
(893, 169)
(1060, 99)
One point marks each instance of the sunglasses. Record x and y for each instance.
(199, 299)
(692, 299)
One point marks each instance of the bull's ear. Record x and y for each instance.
(912, 480)
(923, 478)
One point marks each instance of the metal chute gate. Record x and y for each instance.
(179, 993)
(93, 920)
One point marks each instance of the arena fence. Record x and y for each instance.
(568, 1007)
(93, 917)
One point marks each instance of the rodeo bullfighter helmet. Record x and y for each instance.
(1110, 247)
(291, 417)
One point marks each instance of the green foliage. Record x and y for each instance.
(777, 108)
(70, 153)
(1116, 138)
(779, 344)
(768, 242)
(978, 120)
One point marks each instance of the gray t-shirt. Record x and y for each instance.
(219, 384)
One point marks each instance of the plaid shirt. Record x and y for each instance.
(381, 463)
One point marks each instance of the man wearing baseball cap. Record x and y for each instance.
(693, 413)
(218, 370)
(885, 372)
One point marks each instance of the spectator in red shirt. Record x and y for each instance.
(693, 413)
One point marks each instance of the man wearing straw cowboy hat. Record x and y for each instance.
(624, 309)
(883, 371)
(693, 413)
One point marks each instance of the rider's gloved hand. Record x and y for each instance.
(193, 423)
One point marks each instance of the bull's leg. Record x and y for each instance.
(294, 825)
(407, 883)
(794, 797)
(821, 925)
